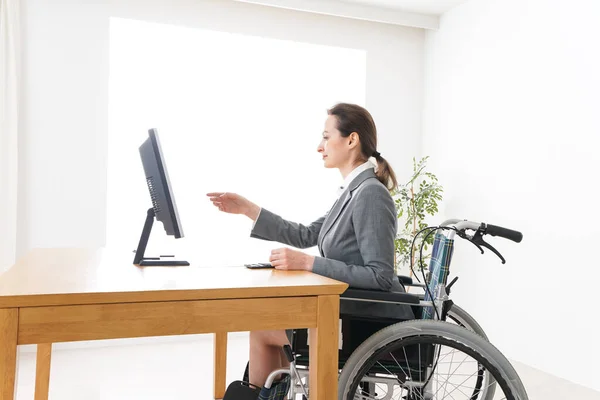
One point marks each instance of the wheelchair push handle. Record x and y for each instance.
(482, 229)
(506, 233)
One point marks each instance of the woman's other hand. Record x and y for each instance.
(233, 203)
(288, 259)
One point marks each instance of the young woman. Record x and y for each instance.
(355, 238)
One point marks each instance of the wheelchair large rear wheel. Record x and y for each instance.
(485, 384)
(427, 360)
(460, 317)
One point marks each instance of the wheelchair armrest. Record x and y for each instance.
(408, 281)
(378, 295)
(405, 280)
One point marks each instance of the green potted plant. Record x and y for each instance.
(415, 200)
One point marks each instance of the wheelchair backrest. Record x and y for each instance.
(441, 255)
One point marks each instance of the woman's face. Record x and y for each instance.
(333, 147)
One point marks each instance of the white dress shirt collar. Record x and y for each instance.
(355, 172)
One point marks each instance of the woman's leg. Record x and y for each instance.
(266, 354)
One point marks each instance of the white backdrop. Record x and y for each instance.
(234, 113)
(63, 154)
(511, 124)
(10, 50)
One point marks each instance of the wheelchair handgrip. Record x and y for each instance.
(378, 295)
(504, 232)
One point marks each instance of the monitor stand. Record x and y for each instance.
(139, 258)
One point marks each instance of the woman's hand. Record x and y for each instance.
(234, 204)
(288, 259)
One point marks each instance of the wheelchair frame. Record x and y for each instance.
(435, 303)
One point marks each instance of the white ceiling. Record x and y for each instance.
(432, 7)
(415, 13)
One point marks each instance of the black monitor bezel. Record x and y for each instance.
(166, 182)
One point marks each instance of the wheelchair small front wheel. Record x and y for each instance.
(427, 360)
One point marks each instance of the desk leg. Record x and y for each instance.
(9, 325)
(220, 364)
(42, 371)
(323, 371)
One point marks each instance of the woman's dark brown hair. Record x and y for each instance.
(354, 118)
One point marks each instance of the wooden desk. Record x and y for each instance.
(62, 295)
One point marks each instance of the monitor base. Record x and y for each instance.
(139, 258)
(163, 263)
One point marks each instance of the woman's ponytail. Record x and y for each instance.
(385, 173)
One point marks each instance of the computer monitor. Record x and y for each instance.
(163, 207)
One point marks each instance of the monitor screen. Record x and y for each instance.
(159, 185)
(163, 207)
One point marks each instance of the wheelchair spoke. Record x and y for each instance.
(419, 361)
(406, 358)
(446, 385)
(398, 364)
(455, 386)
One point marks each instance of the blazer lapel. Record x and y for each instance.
(334, 214)
(339, 206)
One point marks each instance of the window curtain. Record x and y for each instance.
(9, 110)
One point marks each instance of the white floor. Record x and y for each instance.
(181, 368)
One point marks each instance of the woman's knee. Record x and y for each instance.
(270, 338)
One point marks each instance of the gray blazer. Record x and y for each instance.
(355, 240)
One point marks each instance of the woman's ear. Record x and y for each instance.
(354, 140)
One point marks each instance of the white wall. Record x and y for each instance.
(63, 144)
(510, 100)
(511, 125)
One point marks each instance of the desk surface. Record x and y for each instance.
(58, 276)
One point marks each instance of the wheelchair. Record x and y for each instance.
(442, 353)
